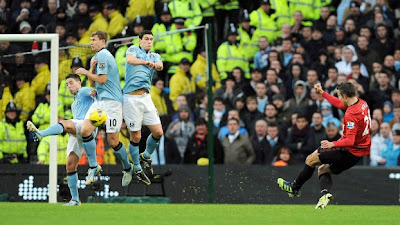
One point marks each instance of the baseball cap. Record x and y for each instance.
(184, 61)
(200, 121)
(179, 20)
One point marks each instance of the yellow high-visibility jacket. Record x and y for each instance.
(40, 81)
(189, 9)
(43, 151)
(25, 101)
(180, 84)
(12, 139)
(231, 56)
(198, 70)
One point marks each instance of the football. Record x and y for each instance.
(98, 117)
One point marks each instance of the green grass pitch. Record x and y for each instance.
(188, 214)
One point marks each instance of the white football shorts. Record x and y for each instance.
(139, 110)
(113, 110)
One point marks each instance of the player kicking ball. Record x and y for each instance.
(83, 99)
(337, 156)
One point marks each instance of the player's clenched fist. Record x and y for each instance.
(318, 88)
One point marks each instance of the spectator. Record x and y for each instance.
(362, 80)
(387, 111)
(284, 111)
(43, 76)
(161, 100)
(25, 12)
(20, 67)
(274, 84)
(12, 137)
(295, 74)
(383, 43)
(271, 116)
(164, 24)
(274, 140)
(392, 152)
(182, 82)
(82, 14)
(202, 104)
(261, 56)
(249, 89)
(252, 114)
(167, 152)
(237, 147)
(378, 114)
(297, 139)
(261, 95)
(240, 80)
(198, 70)
(229, 55)
(332, 132)
(186, 9)
(283, 158)
(317, 132)
(331, 83)
(264, 20)
(180, 45)
(349, 55)
(117, 20)
(224, 130)
(379, 143)
(229, 91)
(180, 101)
(248, 41)
(300, 100)
(139, 7)
(24, 98)
(49, 14)
(327, 115)
(181, 130)
(286, 54)
(321, 65)
(375, 127)
(99, 23)
(365, 54)
(259, 142)
(381, 92)
(43, 150)
(197, 145)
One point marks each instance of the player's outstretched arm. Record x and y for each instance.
(332, 99)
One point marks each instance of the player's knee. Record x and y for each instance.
(135, 137)
(312, 159)
(70, 167)
(323, 169)
(113, 141)
(158, 134)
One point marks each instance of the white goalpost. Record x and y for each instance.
(54, 42)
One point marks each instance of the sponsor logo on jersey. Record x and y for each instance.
(350, 125)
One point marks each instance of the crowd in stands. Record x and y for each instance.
(268, 55)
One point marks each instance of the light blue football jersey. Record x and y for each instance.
(82, 103)
(106, 64)
(139, 76)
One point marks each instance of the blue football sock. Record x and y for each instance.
(52, 130)
(73, 185)
(120, 152)
(134, 151)
(89, 144)
(151, 145)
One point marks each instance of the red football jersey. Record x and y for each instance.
(356, 126)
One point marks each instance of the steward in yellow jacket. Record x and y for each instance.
(24, 98)
(42, 78)
(99, 22)
(43, 150)
(4, 100)
(264, 19)
(230, 55)
(180, 45)
(139, 7)
(160, 44)
(12, 137)
(117, 20)
(198, 70)
(182, 82)
(189, 9)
